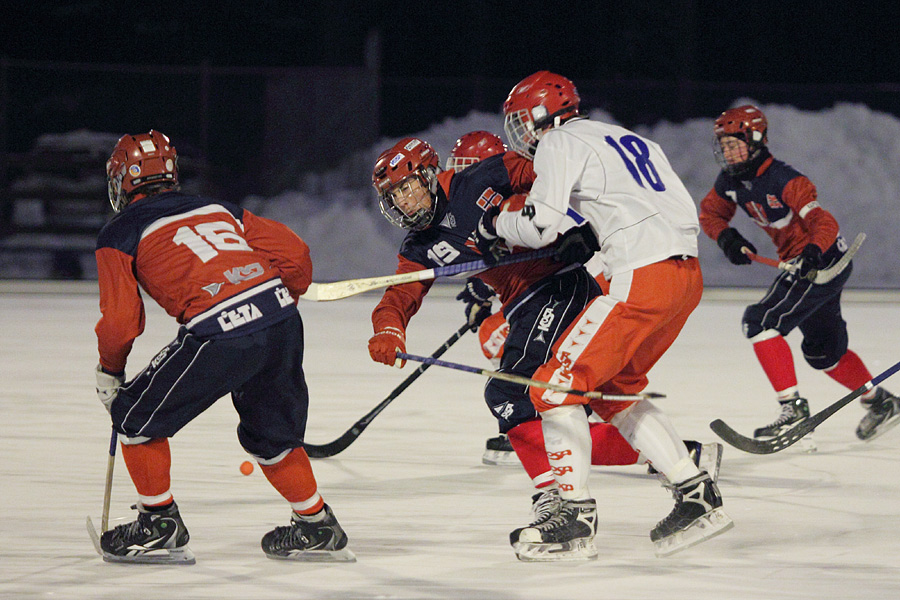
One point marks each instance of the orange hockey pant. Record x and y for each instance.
(618, 337)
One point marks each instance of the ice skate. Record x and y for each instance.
(499, 452)
(793, 411)
(156, 537)
(707, 457)
(567, 534)
(883, 414)
(697, 516)
(312, 538)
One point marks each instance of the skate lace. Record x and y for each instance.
(284, 537)
(131, 532)
(787, 415)
(560, 519)
(545, 505)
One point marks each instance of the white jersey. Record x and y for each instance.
(620, 182)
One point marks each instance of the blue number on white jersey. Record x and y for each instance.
(644, 171)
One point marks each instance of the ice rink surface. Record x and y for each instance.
(425, 518)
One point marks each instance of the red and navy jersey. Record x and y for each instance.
(215, 267)
(462, 199)
(779, 199)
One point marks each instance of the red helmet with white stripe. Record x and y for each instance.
(746, 123)
(473, 147)
(405, 177)
(137, 161)
(537, 103)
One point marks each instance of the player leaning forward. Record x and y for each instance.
(231, 279)
(647, 227)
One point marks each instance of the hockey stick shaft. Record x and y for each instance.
(528, 381)
(350, 436)
(818, 276)
(764, 260)
(107, 491)
(321, 292)
(794, 434)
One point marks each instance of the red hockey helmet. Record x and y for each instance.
(394, 177)
(473, 147)
(139, 160)
(536, 103)
(746, 123)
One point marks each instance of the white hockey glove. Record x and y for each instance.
(108, 386)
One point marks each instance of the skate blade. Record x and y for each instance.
(500, 458)
(713, 523)
(163, 556)
(174, 556)
(343, 555)
(711, 459)
(580, 549)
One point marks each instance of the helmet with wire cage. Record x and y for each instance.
(746, 123)
(474, 147)
(409, 159)
(538, 102)
(138, 161)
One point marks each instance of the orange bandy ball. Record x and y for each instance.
(246, 467)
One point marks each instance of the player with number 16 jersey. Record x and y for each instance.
(231, 279)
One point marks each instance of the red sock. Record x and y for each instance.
(776, 359)
(292, 476)
(527, 440)
(149, 464)
(850, 371)
(608, 447)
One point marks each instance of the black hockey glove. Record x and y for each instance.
(731, 242)
(478, 296)
(577, 245)
(489, 244)
(810, 260)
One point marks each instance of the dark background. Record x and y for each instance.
(330, 77)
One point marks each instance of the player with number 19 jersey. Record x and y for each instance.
(216, 268)
(461, 200)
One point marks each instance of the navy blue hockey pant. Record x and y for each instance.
(816, 309)
(536, 319)
(262, 371)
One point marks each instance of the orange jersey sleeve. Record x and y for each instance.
(284, 250)
(122, 310)
(521, 171)
(715, 214)
(821, 226)
(400, 302)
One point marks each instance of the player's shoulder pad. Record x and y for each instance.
(723, 183)
(490, 172)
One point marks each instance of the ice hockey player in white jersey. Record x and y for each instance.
(644, 224)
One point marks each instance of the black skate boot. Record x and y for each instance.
(156, 537)
(566, 535)
(793, 411)
(707, 457)
(883, 413)
(498, 451)
(314, 538)
(697, 516)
